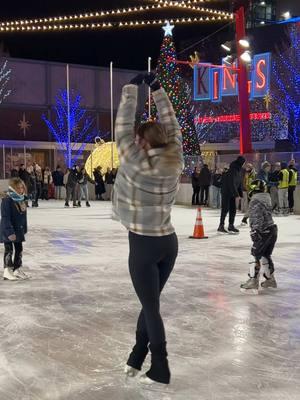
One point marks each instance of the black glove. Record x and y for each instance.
(137, 80)
(152, 81)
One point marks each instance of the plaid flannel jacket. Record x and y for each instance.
(145, 188)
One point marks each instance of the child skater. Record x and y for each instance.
(145, 188)
(264, 236)
(13, 228)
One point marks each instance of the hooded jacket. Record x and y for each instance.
(260, 212)
(232, 179)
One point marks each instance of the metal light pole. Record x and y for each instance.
(112, 114)
(245, 124)
(149, 90)
(68, 118)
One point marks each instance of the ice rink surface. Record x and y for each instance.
(66, 333)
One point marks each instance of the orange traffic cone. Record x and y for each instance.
(199, 229)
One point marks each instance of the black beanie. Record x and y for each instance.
(241, 161)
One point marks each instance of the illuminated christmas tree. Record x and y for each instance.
(4, 79)
(168, 74)
(286, 90)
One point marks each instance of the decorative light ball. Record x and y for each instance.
(102, 157)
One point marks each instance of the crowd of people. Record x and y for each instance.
(146, 186)
(210, 187)
(71, 184)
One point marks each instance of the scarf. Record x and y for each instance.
(18, 198)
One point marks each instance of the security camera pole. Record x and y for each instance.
(245, 125)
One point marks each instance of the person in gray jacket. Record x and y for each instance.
(264, 237)
(151, 163)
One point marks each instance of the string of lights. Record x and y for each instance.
(162, 4)
(106, 25)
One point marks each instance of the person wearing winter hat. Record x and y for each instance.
(13, 228)
(231, 189)
(264, 237)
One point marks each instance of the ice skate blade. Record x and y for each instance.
(149, 384)
(130, 372)
(249, 291)
(233, 233)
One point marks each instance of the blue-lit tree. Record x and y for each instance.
(286, 90)
(4, 79)
(73, 129)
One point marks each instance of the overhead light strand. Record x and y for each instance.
(106, 25)
(162, 4)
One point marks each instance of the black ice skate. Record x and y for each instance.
(233, 230)
(244, 221)
(222, 229)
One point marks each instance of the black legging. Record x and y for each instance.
(151, 261)
(291, 196)
(196, 191)
(228, 204)
(9, 262)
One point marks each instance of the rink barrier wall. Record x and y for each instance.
(184, 196)
(185, 193)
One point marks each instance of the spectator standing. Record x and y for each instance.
(108, 180)
(14, 173)
(71, 186)
(25, 176)
(293, 178)
(99, 183)
(196, 186)
(264, 172)
(231, 190)
(283, 189)
(205, 181)
(47, 181)
(39, 184)
(83, 180)
(58, 180)
(216, 188)
(274, 183)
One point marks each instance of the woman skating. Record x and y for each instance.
(145, 189)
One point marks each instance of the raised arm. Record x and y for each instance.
(165, 110)
(125, 121)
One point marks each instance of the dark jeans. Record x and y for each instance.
(71, 194)
(8, 255)
(151, 261)
(204, 194)
(291, 196)
(196, 191)
(228, 205)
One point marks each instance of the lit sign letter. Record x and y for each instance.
(202, 83)
(260, 75)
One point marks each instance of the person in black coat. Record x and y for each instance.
(72, 183)
(231, 189)
(99, 183)
(13, 228)
(25, 176)
(205, 181)
(196, 186)
(58, 180)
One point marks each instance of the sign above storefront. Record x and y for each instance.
(212, 83)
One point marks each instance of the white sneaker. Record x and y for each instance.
(130, 371)
(8, 275)
(20, 274)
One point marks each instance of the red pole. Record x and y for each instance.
(245, 125)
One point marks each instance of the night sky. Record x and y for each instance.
(127, 48)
